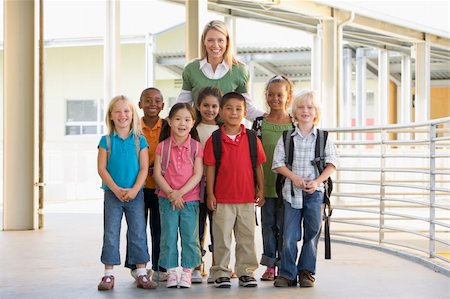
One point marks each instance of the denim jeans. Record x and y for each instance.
(186, 222)
(270, 224)
(310, 217)
(112, 219)
(151, 210)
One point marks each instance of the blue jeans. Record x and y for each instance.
(270, 224)
(112, 219)
(152, 215)
(185, 221)
(310, 216)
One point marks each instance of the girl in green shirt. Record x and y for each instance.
(279, 92)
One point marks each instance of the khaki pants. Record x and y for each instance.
(239, 218)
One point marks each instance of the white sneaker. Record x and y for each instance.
(135, 276)
(210, 279)
(160, 276)
(197, 277)
(186, 278)
(172, 278)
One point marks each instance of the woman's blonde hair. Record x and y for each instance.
(220, 26)
(305, 95)
(135, 124)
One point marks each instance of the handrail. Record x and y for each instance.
(373, 180)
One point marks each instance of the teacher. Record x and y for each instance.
(217, 67)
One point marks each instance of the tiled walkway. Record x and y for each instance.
(62, 261)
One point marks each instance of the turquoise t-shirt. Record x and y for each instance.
(236, 79)
(123, 163)
(270, 134)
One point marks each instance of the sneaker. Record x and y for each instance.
(172, 278)
(283, 282)
(106, 284)
(186, 278)
(197, 276)
(247, 281)
(135, 276)
(160, 276)
(210, 279)
(145, 282)
(269, 275)
(222, 282)
(306, 279)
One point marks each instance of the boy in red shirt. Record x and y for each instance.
(232, 195)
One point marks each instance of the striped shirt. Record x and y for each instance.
(304, 153)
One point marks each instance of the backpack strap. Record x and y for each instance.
(251, 135)
(289, 152)
(257, 126)
(137, 145)
(166, 144)
(319, 164)
(194, 150)
(108, 147)
(217, 147)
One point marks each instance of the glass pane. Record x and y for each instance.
(81, 110)
(89, 129)
(72, 130)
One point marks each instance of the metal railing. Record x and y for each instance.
(392, 188)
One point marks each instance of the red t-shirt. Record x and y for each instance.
(234, 181)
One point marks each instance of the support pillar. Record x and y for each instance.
(361, 67)
(195, 21)
(20, 144)
(404, 107)
(316, 63)
(329, 74)
(422, 98)
(383, 87)
(111, 51)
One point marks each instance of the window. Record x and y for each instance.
(84, 117)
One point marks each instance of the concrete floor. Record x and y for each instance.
(62, 261)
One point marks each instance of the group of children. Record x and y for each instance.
(203, 163)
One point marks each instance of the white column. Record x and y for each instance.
(329, 74)
(111, 51)
(316, 63)
(346, 119)
(383, 87)
(150, 60)
(20, 144)
(361, 66)
(231, 25)
(195, 21)
(422, 99)
(404, 107)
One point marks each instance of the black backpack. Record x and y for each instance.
(319, 164)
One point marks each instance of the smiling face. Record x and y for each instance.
(216, 45)
(233, 111)
(121, 115)
(305, 111)
(151, 103)
(277, 96)
(181, 123)
(209, 109)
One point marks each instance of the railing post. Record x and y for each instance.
(432, 249)
(382, 181)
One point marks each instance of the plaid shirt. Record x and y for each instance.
(304, 153)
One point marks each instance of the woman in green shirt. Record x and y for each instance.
(217, 67)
